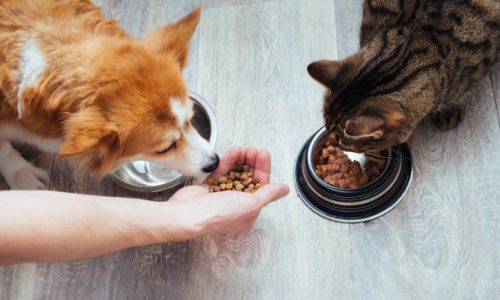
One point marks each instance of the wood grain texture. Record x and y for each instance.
(249, 60)
(348, 21)
(495, 83)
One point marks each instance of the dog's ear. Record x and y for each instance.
(173, 39)
(92, 139)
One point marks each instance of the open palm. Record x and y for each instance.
(230, 211)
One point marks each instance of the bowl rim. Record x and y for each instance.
(207, 108)
(331, 217)
(315, 139)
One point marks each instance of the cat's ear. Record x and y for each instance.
(333, 73)
(325, 71)
(364, 126)
(373, 125)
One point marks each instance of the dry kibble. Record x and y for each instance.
(239, 178)
(238, 169)
(335, 168)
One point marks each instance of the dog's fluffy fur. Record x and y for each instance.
(76, 83)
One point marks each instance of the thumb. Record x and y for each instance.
(271, 192)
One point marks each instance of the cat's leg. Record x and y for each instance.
(20, 174)
(449, 116)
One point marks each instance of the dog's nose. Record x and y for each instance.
(214, 163)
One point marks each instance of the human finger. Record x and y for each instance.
(262, 169)
(271, 192)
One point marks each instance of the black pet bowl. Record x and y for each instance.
(352, 205)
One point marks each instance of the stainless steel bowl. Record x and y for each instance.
(352, 205)
(143, 176)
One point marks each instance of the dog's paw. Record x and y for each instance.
(449, 117)
(27, 177)
(18, 173)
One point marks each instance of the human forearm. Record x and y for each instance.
(50, 226)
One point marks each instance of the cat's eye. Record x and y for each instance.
(168, 149)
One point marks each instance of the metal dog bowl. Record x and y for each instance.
(352, 205)
(143, 176)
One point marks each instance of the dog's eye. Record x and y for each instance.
(171, 147)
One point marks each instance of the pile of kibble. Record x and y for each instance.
(239, 178)
(336, 169)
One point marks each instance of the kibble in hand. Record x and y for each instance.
(239, 178)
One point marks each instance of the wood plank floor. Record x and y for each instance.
(249, 60)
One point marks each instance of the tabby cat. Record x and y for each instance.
(416, 57)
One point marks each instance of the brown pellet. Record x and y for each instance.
(335, 168)
(239, 178)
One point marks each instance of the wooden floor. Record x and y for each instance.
(249, 60)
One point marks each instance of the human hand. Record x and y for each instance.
(228, 212)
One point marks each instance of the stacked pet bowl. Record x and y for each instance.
(352, 205)
(143, 176)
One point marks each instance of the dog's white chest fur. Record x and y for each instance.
(32, 65)
(14, 133)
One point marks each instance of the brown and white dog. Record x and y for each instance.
(75, 83)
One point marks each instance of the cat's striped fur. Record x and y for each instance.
(417, 57)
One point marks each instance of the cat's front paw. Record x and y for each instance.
(449, 117)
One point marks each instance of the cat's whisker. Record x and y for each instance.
(397, 152)
(375, 155)
(401, 155)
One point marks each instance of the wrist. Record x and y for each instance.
(167, 222)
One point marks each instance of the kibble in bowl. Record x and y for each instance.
(337, 169)
(347, 186)
(239, 178)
